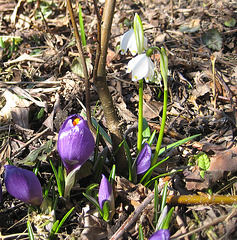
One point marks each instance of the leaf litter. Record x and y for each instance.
(38, 73)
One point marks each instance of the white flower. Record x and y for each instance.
(128, 41)
(141, 67)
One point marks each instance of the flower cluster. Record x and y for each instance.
(141, 66)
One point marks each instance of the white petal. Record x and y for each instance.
(134, 61)
(125, 41)
(141, 67)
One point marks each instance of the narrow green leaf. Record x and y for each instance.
(152, 137)
(83, 36)
(156, 203)
(112, 175)
(146, 133)
(163, 197)
(130, 162)
(53, 230)
(90, 188)
(151, 169)
(30, 230)
(92, 200)
(141, 235)
(166, 222)
(64, 219)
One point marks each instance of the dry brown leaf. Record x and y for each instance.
(94, 227)
(16, 109)
(224, 160)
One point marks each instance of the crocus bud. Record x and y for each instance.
(144, 159)
(23, 184)
(162, 234)
(75, 142)
(105, 191)
(106, 194)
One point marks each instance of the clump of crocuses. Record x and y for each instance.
(75, 142)
(23, 185)
(162, 234)
(106, 195)
(144, 159)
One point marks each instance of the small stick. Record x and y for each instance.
(220, 219)
(131, 219)
(29, 142)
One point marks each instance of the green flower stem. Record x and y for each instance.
(162, 129)
(140, 117)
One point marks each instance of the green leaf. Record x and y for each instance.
(163, 197)
(146, 133)
(33, 156)
(92, 200)
(30, 231)
(64, 219)
(40, 114)
(112, 175)
(203, 161)
(156, 203)
(83, 36)
(90, 188)
(53, 230)
(131, 171)
(212, 38)
(187, 29)
(230, 22)
(150, 170)
(166, 222)
(106, 211)
(141, 235)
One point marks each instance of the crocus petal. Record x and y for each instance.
(23, 184)
(105, 191)
(144, 159)
(75, 142)
(141, 67)
(126, 41)
(162, 234)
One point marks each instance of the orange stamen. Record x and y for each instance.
(75, 121)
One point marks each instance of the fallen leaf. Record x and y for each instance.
(16, 108)
(24, 57)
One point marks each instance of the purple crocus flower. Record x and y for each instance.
(105, 192)
(75, 142)
(23, 184)
(144, 159)
(162, 234)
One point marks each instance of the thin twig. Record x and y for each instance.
(83, 61)
(29, 142)
(215, 221)
(132, 218)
